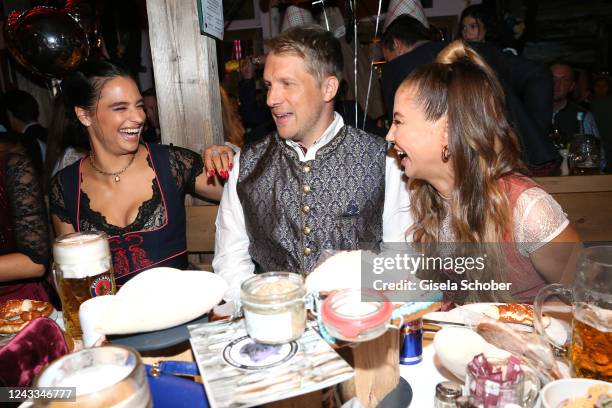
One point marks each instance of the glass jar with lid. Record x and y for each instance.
(274, 307)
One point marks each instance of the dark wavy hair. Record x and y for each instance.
(80, 88)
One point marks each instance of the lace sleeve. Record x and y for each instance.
(538, 219)
(186, 166)
(57, 205)
(27, 208)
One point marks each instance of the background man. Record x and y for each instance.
(565, 111)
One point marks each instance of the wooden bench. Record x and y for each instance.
(201, 235)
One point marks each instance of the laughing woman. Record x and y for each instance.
(132, 191)
(466, 180)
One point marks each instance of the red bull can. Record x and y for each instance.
(411, 347)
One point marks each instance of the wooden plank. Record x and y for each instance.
(186, 75)
(575, 184)
(201, 228)
(376, 364)
(589, 213)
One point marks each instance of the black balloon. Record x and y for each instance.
(46, 41)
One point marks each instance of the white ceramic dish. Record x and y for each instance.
(557, 392)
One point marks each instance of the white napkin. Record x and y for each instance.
(340, 271)
(160, 298)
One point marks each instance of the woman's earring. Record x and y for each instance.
(445, 155)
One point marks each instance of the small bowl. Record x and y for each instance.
(555, 393)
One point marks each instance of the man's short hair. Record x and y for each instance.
(406, 29)
(21, 105)
(318, 47)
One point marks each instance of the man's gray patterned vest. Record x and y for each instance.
(296, 210)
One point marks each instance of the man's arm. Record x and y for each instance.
(232, 260)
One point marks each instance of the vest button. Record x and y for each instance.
(307, 251)
(306, 169)
(306, 209)
(306, 230)
(306, 188)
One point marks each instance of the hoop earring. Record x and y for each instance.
(445, 154)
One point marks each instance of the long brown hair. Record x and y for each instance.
(233, 131)
(481, 143)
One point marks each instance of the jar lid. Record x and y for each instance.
(352, 311)
(272, 287)
(448, 391)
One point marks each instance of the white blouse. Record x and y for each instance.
(537, 219)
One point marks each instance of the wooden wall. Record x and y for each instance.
(587, 200)
(186, 75)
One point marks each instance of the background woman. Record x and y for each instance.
(473, 23)
(466, 180)
(24, 230)
(134, 192)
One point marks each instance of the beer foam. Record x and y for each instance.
(82, 254)
(94, 379)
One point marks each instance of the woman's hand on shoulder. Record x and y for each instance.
(218, 159)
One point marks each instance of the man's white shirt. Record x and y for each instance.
(232, 260)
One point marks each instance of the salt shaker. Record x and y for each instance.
(447, 393)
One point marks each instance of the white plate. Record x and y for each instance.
(472, 313)
(556, 392)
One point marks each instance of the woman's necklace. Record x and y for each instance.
(117, 173)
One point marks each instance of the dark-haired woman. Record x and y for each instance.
(466, 179)
(473, 23)
(132, 191)
(24, 235)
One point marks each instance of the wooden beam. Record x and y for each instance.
(186, 75)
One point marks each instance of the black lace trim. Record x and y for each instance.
(185, 166)
(92, 219)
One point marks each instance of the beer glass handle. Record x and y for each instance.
(54, 274)
(556, 289)
(531, 388)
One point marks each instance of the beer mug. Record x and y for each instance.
(590, 347)
(83, 269)
(107, 376)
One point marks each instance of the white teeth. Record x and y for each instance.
(131, 131)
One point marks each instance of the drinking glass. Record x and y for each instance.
(111, 376)
(584, 156)
(522, 391)
(590, 348)
(83, 268)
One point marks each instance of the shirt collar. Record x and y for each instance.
(329, 133)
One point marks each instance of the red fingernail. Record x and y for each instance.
(225, 174)
(230, 166)
(212, 173)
